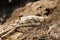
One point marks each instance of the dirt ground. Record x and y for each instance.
(49, 8)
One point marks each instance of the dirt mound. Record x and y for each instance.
(37, 20)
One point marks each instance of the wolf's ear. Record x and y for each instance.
(10, 1)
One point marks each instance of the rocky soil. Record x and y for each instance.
(32, 20)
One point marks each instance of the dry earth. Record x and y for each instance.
(48, 30)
